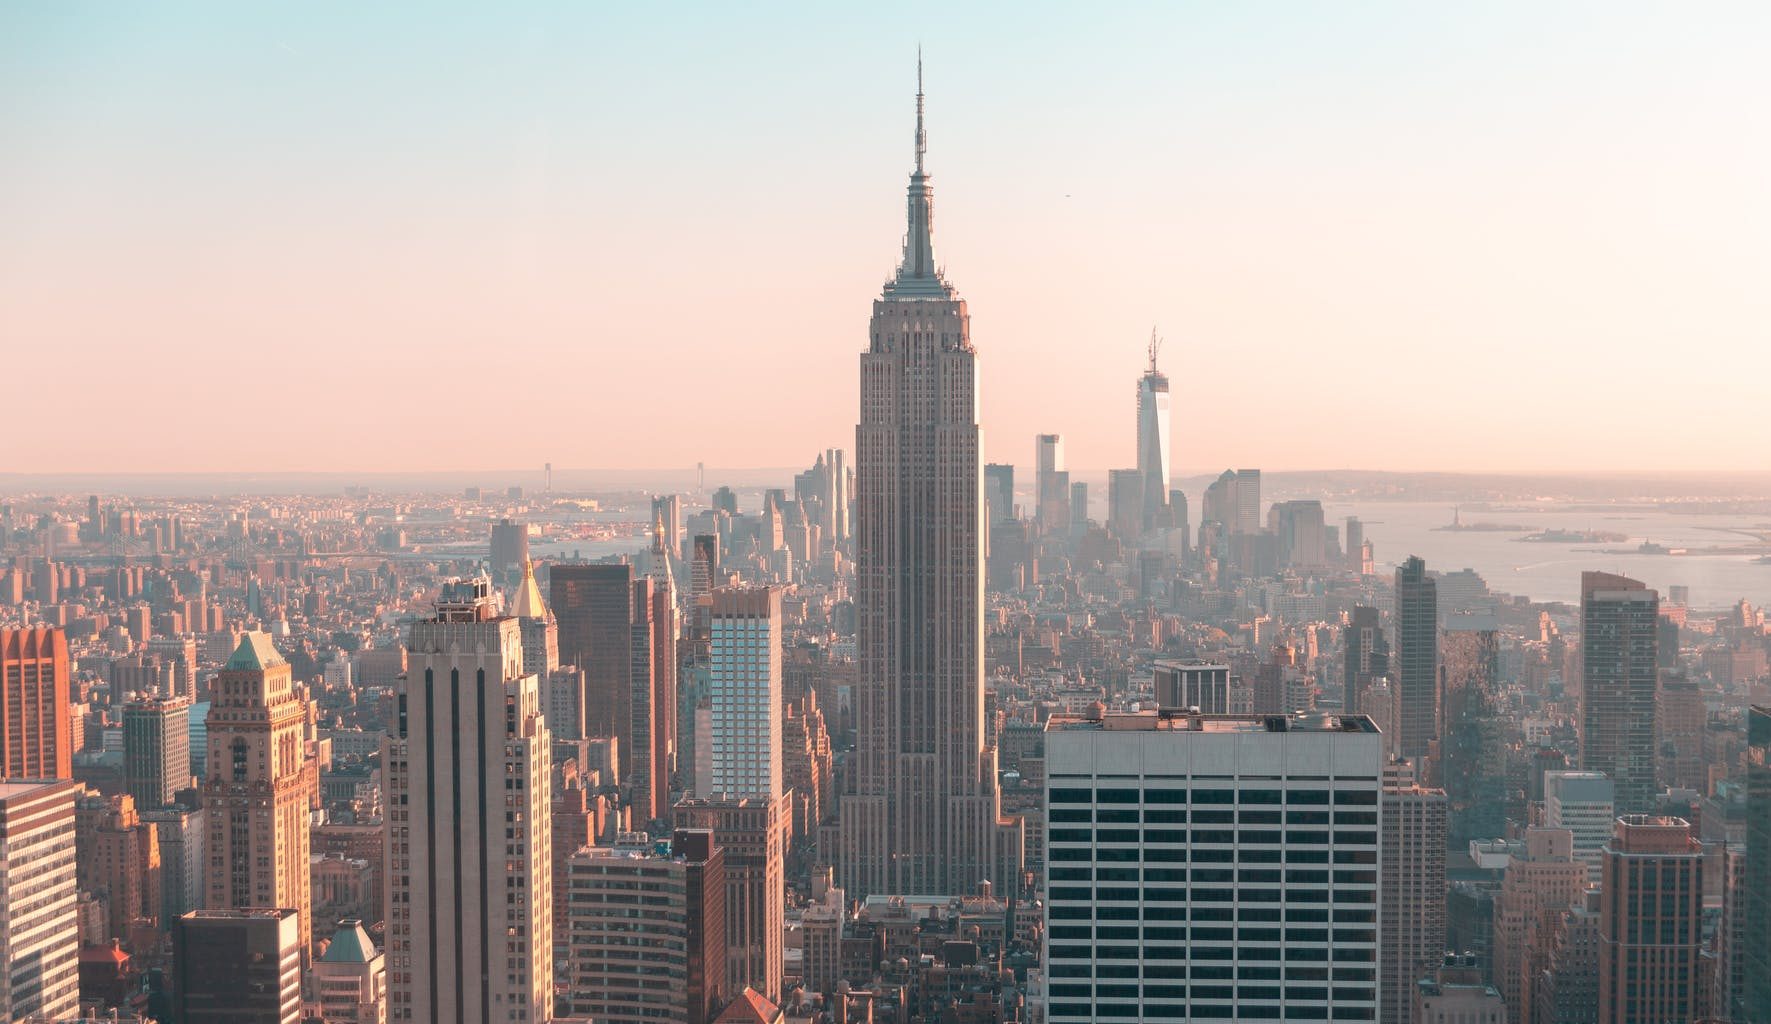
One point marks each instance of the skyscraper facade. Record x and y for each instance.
(1619, 620)
(1212, 867)
(1755, 880)
(39, 888)
(923, 817)
(237, 967)
(746, 693)
(1051, 482)
(257, 787)
(156, 749)
(469, 837)
(1651, 923)
(1417, 659)
(35, 738)
(1153, 439)
(1366, 657)
(1412, 901)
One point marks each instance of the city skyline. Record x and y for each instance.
(1417, 186)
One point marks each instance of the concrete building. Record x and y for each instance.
(258, 787)
(350, 978)
(156, 749)
(1246, 848)
(1416, 679)
(1412, 900)
(39, 885)
(1584, 803)
(1619, 683)
(237, 967)
(752, 836)
(470, 873)
(1651, 923)
(924, 813)
(1456, 993)
(647, 935)
(35, 738)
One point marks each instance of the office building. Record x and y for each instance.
(667, 510)
(999, 492)
(923, 816)
(1651, 923)
(258, 788)
(1050, 493)
(509, 548)
(1455, 992)
(1619, 620)
(237, 967)
(1416, 678)
(350, 978)
(541, 633)
(156, 749)
(746, 691)
(1366, 656)
(751, 834)
(1248, 502)
(1412, 901)
(39, 887)
(1192, 686)
(1079, 518)
(469, 854)
(1299, 534)
(1541, 883)
(35, 739)
(1755, 880)
(1153, 440)
(1125, 504)
(647, 930)
(1205, 867)
(1585, 804)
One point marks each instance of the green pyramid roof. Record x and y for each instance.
(255, 653)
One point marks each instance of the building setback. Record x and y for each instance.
(39, 886)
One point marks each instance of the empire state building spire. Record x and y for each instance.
(917, 273)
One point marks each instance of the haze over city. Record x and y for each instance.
(1533, 235)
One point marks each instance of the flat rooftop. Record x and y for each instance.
(1167, 720)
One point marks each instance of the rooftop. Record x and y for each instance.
(255, 653)
(1175, 720)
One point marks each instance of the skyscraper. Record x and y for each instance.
(1153, 438)
(1755, 881)
(541, 633)
(156, 749)
(237, 967)
(1212, 867)
(35, 741)
(1366, 657)
(999, 491)
(923, 817)
(1417, 659)
(1125, 503)
(469, 837)
(1619, 620)
(1411, 904)
(257, 785)
(746, 688)
(1584, 803)
(39, 886)
(1051, 482)
(1651, 923)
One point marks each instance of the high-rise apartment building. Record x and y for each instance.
(1417, 660)
(35, 738)
(924, 814)
(1212, 867)
(257, 788)
(1153, 440)
(1755, 880)
(237, 967)
(469, 836)
(1651, 923)
(1413, 897)
(1584, 803)
(746, 685)
(1619, 620)
(156, 749)
(39, 887)
(647, 930)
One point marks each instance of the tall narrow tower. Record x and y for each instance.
(257, 785)
(923, 818)
(1153, 464)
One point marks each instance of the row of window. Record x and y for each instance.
(1252, 854)
(1295, 972)
(1246, 914)
(1202, 816)
(1215, 836)
(1316, 952)
(1213, 876)
(1171, 933)
(1208, 797)
(1207, 1011)
(1132, 894)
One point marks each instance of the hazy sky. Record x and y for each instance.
(399, 236)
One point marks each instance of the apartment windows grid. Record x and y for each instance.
(1192, 877)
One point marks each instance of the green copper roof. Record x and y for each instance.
(349, 945)
(255, 653)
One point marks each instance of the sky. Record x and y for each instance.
(403, 237)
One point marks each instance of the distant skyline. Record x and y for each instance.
(328, 238)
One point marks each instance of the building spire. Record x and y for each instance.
(922, 138)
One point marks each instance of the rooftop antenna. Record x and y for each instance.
(1155, 347)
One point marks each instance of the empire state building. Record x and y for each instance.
(924, 814)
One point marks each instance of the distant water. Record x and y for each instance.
(1551, 572)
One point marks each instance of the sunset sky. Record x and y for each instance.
(402, 237)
